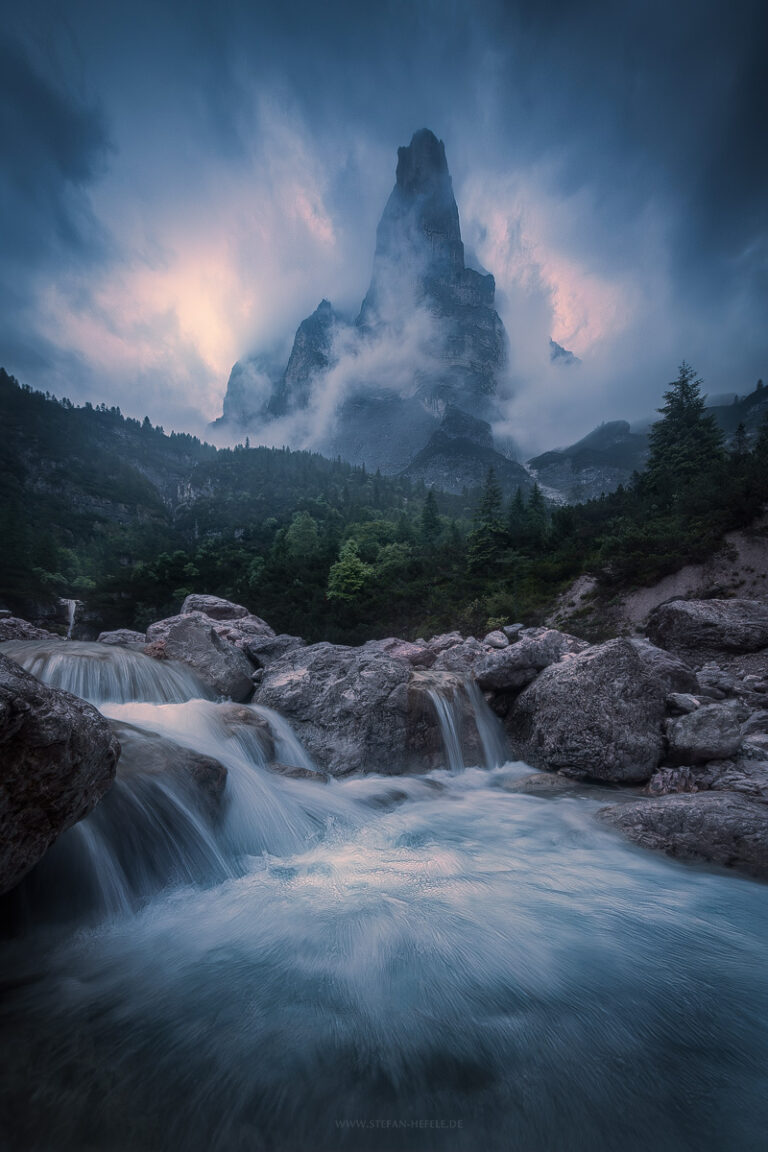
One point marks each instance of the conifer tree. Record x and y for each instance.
(429, 527)
(686, 446)
(486, 542)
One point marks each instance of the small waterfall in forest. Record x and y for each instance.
(102, 673)
(71, 607)
(450, 723)
(456, 704)
(488, 727)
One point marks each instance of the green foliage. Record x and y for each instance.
(349, 575)
(323, 549)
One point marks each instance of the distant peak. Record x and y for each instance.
(421, 162)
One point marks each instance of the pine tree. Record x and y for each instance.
(686, 446)
(429, 527)
(487, 540)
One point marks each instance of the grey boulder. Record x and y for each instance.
(599, 713)
(58, 758)
(350, 708)
(719, 827)
(518, 664)
(214, 607)
(147, 754)
(124, 638)
(707, 625)
(263, 650)
(193, 640)
(713, 732)
(14, 628)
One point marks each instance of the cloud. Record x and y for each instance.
(182, 184)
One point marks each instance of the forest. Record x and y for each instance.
(116, 513)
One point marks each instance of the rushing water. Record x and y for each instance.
(103, 673)
(426, 962)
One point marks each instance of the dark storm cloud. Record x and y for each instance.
(608, 157)
(52, 148)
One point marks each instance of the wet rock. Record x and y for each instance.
(124, 638)
(214, 607)
(718, 827)
(57, 759)
(537, 784)
(263, 650)
(444, 641)
(520, 663)
(755, 747)
(756, 723)
(670, 780)
(749, 777)
(460, 659)
(193, 640)
(418, 655)
(292, 772)
(497, 639)
(349, 707)
(682, 703)
(715, 625)
(599, 713)
(710, 733)
(149, 754)
(14, 628)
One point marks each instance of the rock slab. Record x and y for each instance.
(599, 713)
(58, 757)
(719, 827)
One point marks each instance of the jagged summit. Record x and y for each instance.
(421, 163)
(419, 227)
(422, 298)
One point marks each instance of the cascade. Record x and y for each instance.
(446, 707)
(102, 673)
(488, 727)
(454, 704)
(71, 607)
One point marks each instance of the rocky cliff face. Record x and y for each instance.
(459, 454)
(421, 294)
(419, 263)
(598, 463)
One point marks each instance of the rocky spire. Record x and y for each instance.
(418, 241)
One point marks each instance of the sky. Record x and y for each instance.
(183, 182)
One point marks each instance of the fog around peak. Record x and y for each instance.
(181, 188)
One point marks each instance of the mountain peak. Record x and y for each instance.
(422, 163)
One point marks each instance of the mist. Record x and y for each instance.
(180, 191)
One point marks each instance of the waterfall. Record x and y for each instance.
(456, 703)
(102, 673)
(71, 607)
(161, 825)
(450, 722)
(488, 727)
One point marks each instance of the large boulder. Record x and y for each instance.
(716, 826)
(14, 628)
(693, 626)
(350, 708)
(124, 638)
(459, 658)
(418, 655)
(57, 759)
(145, 753)
(263, 650)
(193, 640)
(713, 732)
(511, 668)
(599, 713)
(214, 607)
